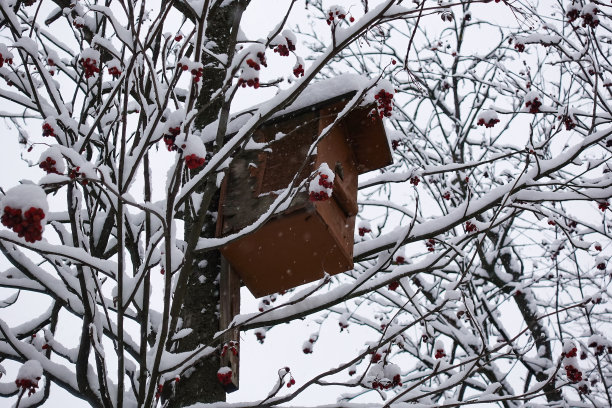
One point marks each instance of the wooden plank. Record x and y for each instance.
(229, 307)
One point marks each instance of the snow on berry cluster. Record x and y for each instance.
(307, 346)
(225, 375)
(284, 43)
(260, 334)
(470, 227)
(89, 62)
(589, 15)
(24, 208)
(231, 346)
(321, 186)
(364, 228)
(400, 257)
(298, 68)
(519, 44)
(5, 55)
(48, 128)
(599, 344)
(572, 12)
(487, 118)
(195, 68)
(384, 376)
(191, 147)
(430, 244)
(172, 129)
(28, 376)
(439, 349)
(567, 119)
(193, 150)
(114, 68)
(533, 101)
(570, 362)
(284, 372)
(51, 161)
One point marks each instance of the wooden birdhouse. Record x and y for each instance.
(308, 238)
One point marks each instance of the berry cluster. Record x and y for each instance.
(446, 195)
(26, 384)
(224, 375)
(573, 374)
(414, 180)
(282, 373)
(337, 13)
(78, 23)
(469, 227)
(308, 344)
(364, 230)
(114, 71)
(170, 138)
(193, 161)
(589, 16)
(446, 16)
(385, 384)
(253, 64)
(298, 70)
(393, 285)
(400, 260)
(440, 353)
(376, 357)
(343, 323)
(567, 121)
(260, 335)
(160, 388)
(600, 349)
(322, 195)
(5, 58)
(385, 103)
(48, 130)
(603, 205)
(395, 144)
(283, 50)
(519, 46)
(231, 346)
(488, 124)
(572, 14)
(430, 244)
(584, 389)
(196, 73)
(28, 225)
(533, 105)
(51, 64)
(48, 165)
(178, 37)
(573, 352)
(251, 82)
(76, 173)
(90, 66)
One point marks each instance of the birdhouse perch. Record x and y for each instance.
(308, 238)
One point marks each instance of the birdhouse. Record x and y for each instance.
(307, 239)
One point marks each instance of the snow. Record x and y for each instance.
(31, 370)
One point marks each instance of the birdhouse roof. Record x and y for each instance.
(368, 138)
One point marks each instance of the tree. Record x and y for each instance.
(476, 248)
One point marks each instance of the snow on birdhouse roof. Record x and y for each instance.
(314, 96)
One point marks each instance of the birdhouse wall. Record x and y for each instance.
(308, 239)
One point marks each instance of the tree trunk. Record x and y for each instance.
(201, 304)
